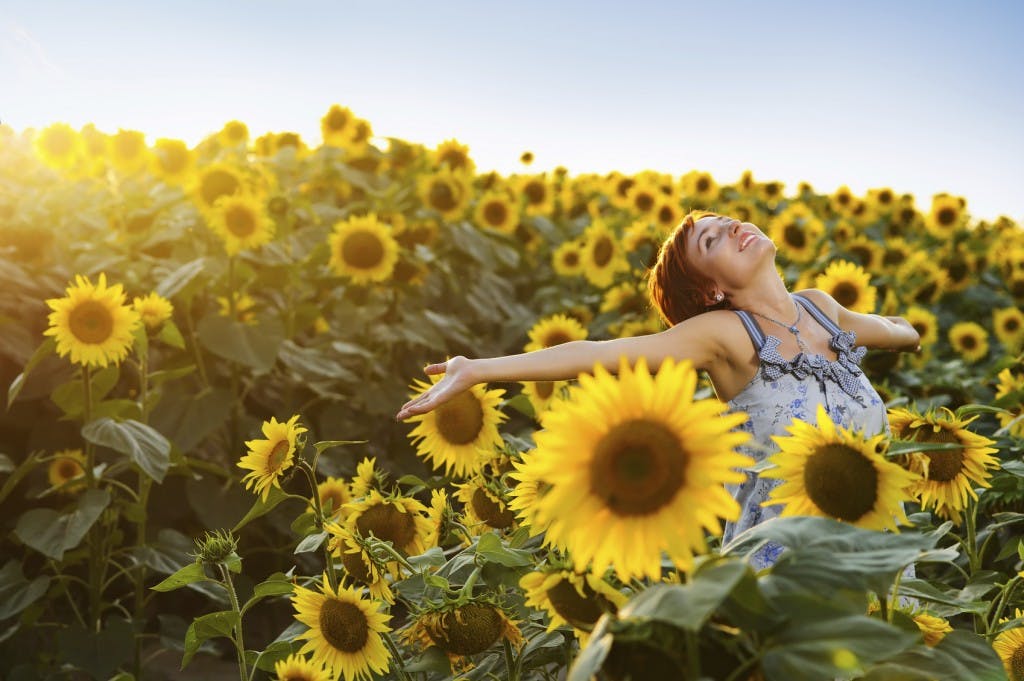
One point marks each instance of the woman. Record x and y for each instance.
(769, 353)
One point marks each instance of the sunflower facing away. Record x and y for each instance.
(462, 433)
(636, 467)
(827, 470)
(92, 323)
(461, 630)
(241, 222)
(298, 668)
(948, 476)
(344, 630)
(849, 284)
(267, 459)
(363, 249)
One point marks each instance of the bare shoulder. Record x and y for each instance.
(823, 300)
(724, 329)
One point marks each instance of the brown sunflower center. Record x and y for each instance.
(495, 213)
(603, 251)
(68, 469)
(644, 202)
(846, 294)
(666, 215)
(344, 625)
(362, 250)
(943, 465)
(544, 389)
(240, 221)
(841, 482)
(461, 419)
(624, 185)
(490, 511)
(885, 197)
(336, 497)
(1011, 325)
(556, 337)
(893, 257)
(795, 236)
(862, 254)
(535, 192)
(454, 158)
(638, 467)
(337, 119)
(441, 196)
(571, 258)
(703, 184)
(946, 217)
(355, 566)
(217, 183)
(275, 459)
(469, 630)
(1017, 664)
(968, 342)
(772, 188)
(922, 328)
(579, 611)
(91, 322)
(388, 522)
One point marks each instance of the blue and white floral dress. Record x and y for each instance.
(783, 390)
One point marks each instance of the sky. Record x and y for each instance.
(919, 96)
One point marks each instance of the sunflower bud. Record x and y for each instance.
(216, 547)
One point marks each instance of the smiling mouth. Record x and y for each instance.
(746, 239)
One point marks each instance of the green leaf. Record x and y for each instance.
(99, 653)
(311, 542)
(70, 396)
(688, 606)
(276, 584)
(274, 497)
(327, 444)
(920, 589)
(900, 447)
(490, 547)
(436, 581)
(170, 334)
(959, 655)
(180, 278)
(16, 592)
(275, 652)
(157, 378)
(520, 403)
(1014, 467)
(45, 349)
(193, 572)
(206, 627)
(52, 533)
(150, 450)
(256, 346)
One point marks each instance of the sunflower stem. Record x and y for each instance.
(895, 594)
(692, 657)
(395, 653)
(195, 349)
(318, 519)
(1004, 598)
(95, 579)
(510, 664)
(145, 483)
(467, 588)
(736, 674)
(237, 638)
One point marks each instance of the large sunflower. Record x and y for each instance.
(554, 330)
(948, 477)
(637, 467)
(969, 340)
(570, 598)
(298, 668)
(344, 630)
(461, 434)
(268, 458)
(92, 323)
(59, 145)
(363, 249)
(603, 254)
(1008, 323)
(831, 471)
(849, 284)
(400, 520)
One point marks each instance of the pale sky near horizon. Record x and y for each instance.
(918, 96)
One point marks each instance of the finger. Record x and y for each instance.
(435, 368)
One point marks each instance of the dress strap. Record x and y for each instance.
(753, 330)
(816, 312)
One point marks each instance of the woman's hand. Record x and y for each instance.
(458, 377)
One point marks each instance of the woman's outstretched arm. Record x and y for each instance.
(872, 330)
(696, 339)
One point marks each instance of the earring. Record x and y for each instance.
(719, 296)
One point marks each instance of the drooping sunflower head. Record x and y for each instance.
(636, 467)
(153, 309)
(299, 668)
(67, 465)
(554, 330)
(849, 284)
(92, 323)
(344, 630)
(462, 630)
(1009, 645)
(570, 598)
(932, 628)
(831, 471)
(395, 518)
(947, 476)
(363, 249)
(268, 458)
(969, 340)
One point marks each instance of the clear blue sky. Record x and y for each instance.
(920, 96)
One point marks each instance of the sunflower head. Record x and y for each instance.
(1009, 645)
(363, 249)
(849, 284)
(92, 323)
(216, 547)
(969, 340)
(67, 465)
(395, 518)
(299, 668)
(554, 330)
(153, 309)
(268, 458)
(571, 598)
(464, 629)
(241, 221)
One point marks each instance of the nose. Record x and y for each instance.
(734, 227)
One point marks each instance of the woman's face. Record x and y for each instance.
(728, 251)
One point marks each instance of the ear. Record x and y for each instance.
(713, 298)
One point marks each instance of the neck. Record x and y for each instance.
(769, 297)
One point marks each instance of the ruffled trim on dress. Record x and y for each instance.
(844, 370)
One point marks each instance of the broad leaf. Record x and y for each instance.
(52, 533)
(150, 450)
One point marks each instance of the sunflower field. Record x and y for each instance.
(201, 475)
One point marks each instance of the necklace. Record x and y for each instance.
(789, 327)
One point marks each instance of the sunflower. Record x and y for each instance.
(358, 563)
(334, 493)
(337, 126)
(948, 477)
(345, 630)
(642, 235)
(849, 284)
(567, 259)
(933, 628)
(645, 326)
(945, 217)
(298, 668)
(925, 323)
(526, 158)
(446, 192)
(463, 629)
(969, 340)
(440, 516)
(1009, 645)
(270, 457)
(897, 252)
(244, 307)
(128, 151)
(538, 196)
(233, 133)
(454, 155)
(667, 214)
(624, 299)
(842, 200)
(881, 200)
(867, 253)
(241, 221)
(554, 330)
(462, 433)
(570, 598)
(59, 146)
(484, 507)
(959, 266)
(797, 232)
(67, 465)
(214, 181)
(699, 187)
(636, 467)
(1015, 287)
(92, 323)
(1008, 323)
(363, 249)
(368, 477)
(542, 393)
(771, 192)
(497, 211)
(834, 472)
(603, 254)
(153, 310)
(1010, 382)
(397, 519)
(529, 487)
(643, 197)
(172, 161)
(922, 279)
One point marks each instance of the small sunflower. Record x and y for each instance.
(358, 563)
(933, 628)
(233, 134)
(484, 507)
(570, 598)
(643, 197)
(462, 433)
(59, 146)
(849, 284)
(267, 459)
(538, 196)
(344, 630)
(554, 330)
(440, 516)
(1010, 382)
(542, 393)
(446, 192)
(636, 467)
(298, 668)
(128, 151)
(1008, 323)
(624, 299)
(363, 249)
(881, 200)
(245, 307)
(842, 200)
(529, 487)
(947, 477)
(334, 494)
(946, 216)
(969, 340)
(497, 211)
(68, 464)
(925, 323)
(337, 126)
(567, 259)
(1009, 645)
(92, 323)
(241, 221)
(959, 266)
(923, 280)
(462, 630)
(834, 472)
(603, 254)
(797, 232)
(454, 155)
(398, 519)
(214, 181)
(154, 310)
(368, 477)
(699, 187)
(897, 251)
(667, 214)
(172, 161)
(866, 252)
